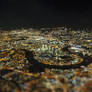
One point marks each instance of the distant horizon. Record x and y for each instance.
(38, 13)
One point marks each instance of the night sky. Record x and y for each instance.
(44, 13)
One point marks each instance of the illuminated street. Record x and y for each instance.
(46, 60)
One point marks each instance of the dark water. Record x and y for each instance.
(51, 13)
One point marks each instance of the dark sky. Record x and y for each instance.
(44, 13)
